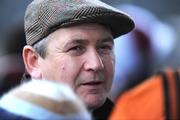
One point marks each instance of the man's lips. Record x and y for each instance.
(92, 83)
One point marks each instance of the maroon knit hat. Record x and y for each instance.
(42, 17)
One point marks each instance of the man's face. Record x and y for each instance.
(81, 56)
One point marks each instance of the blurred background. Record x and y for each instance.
(152, 46)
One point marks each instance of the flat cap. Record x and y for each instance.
(42, 17)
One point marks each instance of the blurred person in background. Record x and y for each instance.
(11, 62)
(11, 71)
(143, 52)
(156, 98)
(42, 100)
(153, 96)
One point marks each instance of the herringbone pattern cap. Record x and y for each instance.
(42, 17)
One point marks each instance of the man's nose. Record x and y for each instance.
(93, 61)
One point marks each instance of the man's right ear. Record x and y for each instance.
(31, 57)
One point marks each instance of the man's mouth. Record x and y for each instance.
(93, 83)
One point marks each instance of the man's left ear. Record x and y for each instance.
(30, 58)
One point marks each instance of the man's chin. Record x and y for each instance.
(93, 103)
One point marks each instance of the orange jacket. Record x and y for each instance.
(157, 98)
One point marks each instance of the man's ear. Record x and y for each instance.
(30, 58)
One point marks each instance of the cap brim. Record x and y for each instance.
(119, 24)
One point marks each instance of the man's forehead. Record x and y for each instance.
(83, 32)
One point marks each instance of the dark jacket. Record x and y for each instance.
(104, 111)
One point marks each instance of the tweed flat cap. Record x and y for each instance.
(42, 17)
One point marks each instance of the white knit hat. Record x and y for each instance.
(41, 99)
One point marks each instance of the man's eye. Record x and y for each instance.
(76, 50)
(105, 49)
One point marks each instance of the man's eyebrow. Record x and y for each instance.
(76, 41)
(84, 41)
